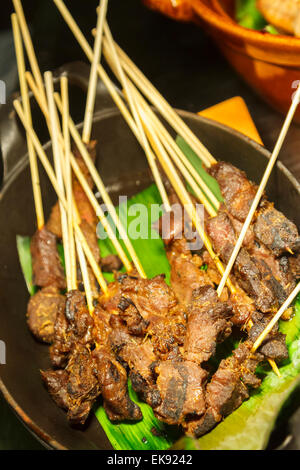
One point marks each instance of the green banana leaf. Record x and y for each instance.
(248, 15)
(250, 426)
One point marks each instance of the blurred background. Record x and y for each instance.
(180, 60)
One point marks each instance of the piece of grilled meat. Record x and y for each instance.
(271, 227)
(46, 265)
(208, 323)
(43, 308)
(73, 326)
(227, 390)
(181, 388)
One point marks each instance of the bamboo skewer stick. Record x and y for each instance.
(29, 46)
(59, 173)
(68, 181)
(261, 187)
(91, 95)
(163, 106)
(48, 168)
(101, 188)
(85, 276)
(276, 317)
(177, 160)
(26, 106)
(144, 141)
(81, 178)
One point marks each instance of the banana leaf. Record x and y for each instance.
(250, 426)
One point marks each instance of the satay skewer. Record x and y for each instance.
(27, 110)
(91, 94)
(261, 188)
(80, 176)
(49, 170)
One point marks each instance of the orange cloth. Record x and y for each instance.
(234, 113)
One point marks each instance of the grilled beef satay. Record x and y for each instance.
(75, 388)
(223, 237)
(88, 371)
(148, 306)
(111, 375)
(46, 265)
(181, 387)
(228, 388)
(42, 311)
(270, 226)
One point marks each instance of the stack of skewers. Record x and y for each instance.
(161, 337)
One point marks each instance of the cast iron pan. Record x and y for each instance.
(123, 167)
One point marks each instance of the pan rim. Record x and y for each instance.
(33, 428)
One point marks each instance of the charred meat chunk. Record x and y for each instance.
(140, 358)
(222, 234)
(275, 231)
(43, 308)
(228, 388)
(111, 263)
(208, 323)
(274, 346)
(113, 382)
(72, 327)
(186, 273)
(47, 269)
(238, 192)
(181, 387)
(75, 388)
(152, 303)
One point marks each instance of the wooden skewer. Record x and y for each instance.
(85, 276)
(68, 181)
(83, 265)
(48, 168)
(163, 106)
(58, 170)
(81, 178)
(145, 144)
(181, 192)
(276, 317)
(261, 187)
(26, 105)
(101, 188)
(29, 46)
(91, 95)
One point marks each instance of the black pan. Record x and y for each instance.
(123, 167)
